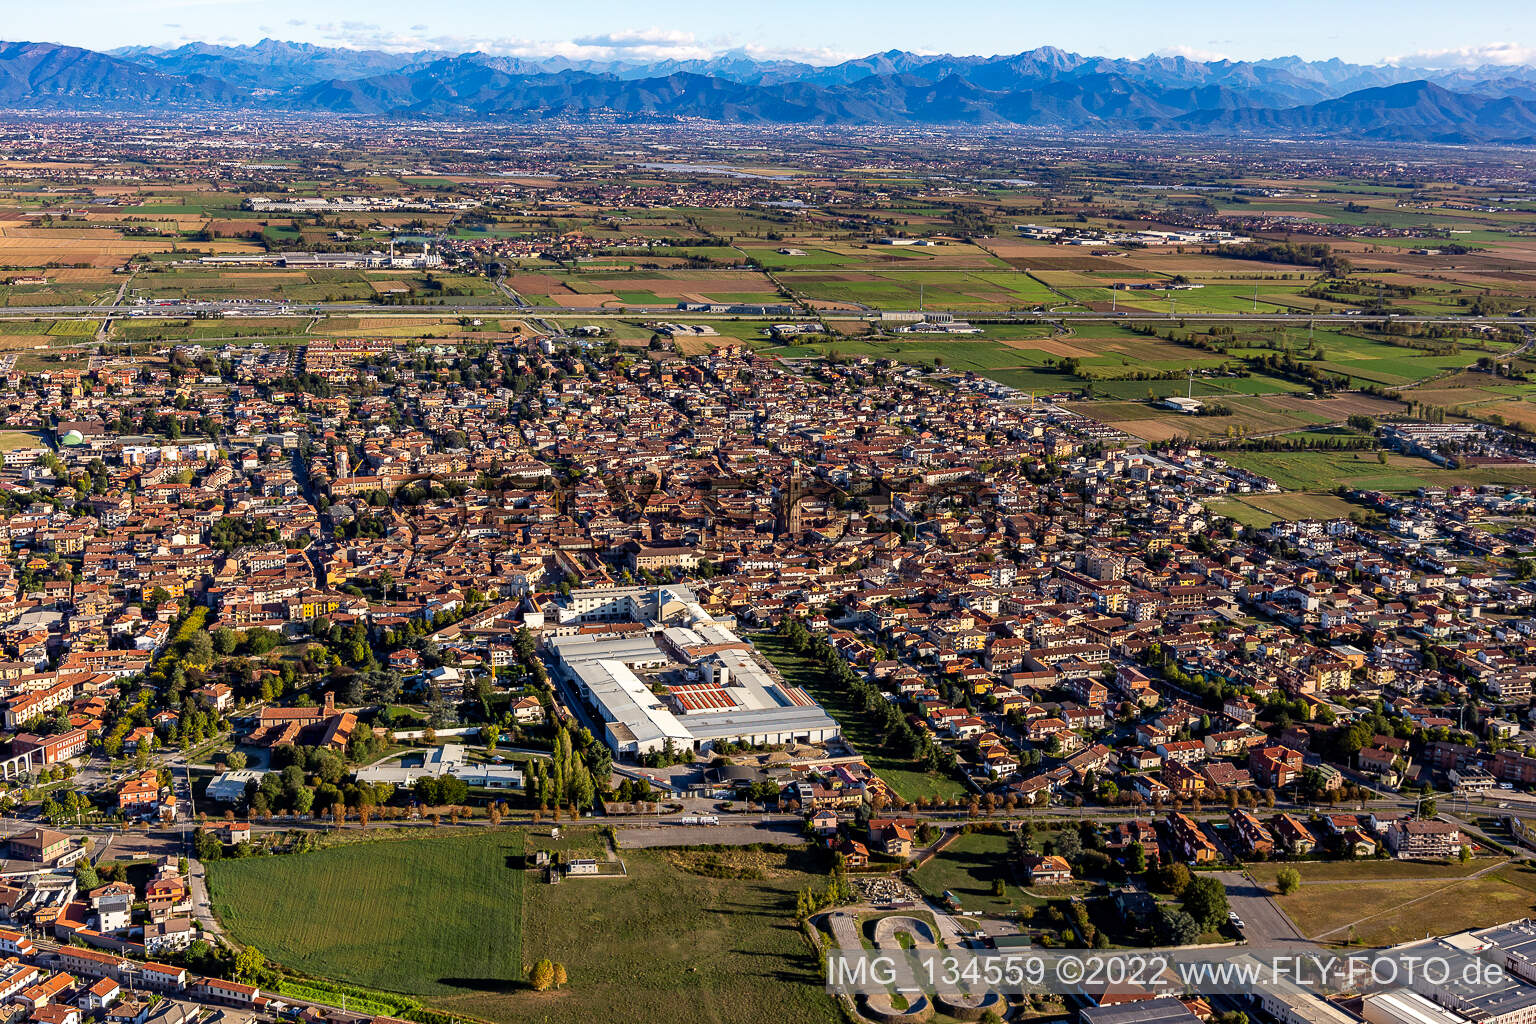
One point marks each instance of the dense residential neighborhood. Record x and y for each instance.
(565, 571)
(242, 579)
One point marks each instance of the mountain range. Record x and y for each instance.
(1044, 87)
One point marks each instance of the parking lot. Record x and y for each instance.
(1264, 924)
(728, 833)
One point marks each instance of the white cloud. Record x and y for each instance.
(638, 38)
(1190, 53)
(640, 45)
(1489, 54)
(821, 55)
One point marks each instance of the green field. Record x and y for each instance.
(1260, 510)
(955, 355)
(969, 866)
(450, 919)
(934, 289)
(416, 916)
(1323, 471)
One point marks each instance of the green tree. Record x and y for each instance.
(85, 875)
(1287, 880)
(225, 640)
(206, 845)
(1205, 900)
(249, 962)
(1174, 879)
(200, 649)
(542, 976)
(1175, 927)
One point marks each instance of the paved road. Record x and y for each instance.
(1264, 923)
(672, 312)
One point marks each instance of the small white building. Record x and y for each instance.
(229, 787)
(1178, 403)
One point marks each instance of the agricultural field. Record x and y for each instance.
(1108, 360)
(1376, 361)
(1483, 395)
(313, 286)
(1261, 510)
(1250, 416)
(453, 919)
(628, 286)
(266, 328)
(934, 290)
(1324, 471)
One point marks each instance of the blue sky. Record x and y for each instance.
(1467, 33)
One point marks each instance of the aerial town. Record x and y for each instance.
(621, 567)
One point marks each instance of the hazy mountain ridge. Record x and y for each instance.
(1041, 87)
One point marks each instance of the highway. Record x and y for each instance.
(256, 312)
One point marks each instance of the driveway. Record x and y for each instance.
(1264, 923)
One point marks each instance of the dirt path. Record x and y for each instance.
(202, 909)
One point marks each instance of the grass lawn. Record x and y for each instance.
(904, 777)
(419, 916)
(969, 866)
(665, 945)
(452, 919)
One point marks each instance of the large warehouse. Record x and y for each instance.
(695, 683)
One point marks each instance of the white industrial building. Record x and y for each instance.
(229, 787)
(1510, 1001)
(703, 684)
(1405, 1006)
